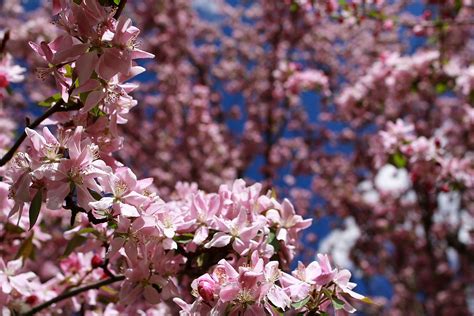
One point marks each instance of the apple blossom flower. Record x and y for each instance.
(238, 231)
(288, 223)
(58, 53)
(10, 73)
(124, 199)
(11, 280)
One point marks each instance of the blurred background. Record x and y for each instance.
(361, 112)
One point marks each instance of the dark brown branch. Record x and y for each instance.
(105, 268)
(55, 108)
(75, 292)
(5, 39)
(462, 249)
(75, 209)
(120, 8)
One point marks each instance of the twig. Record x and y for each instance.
(120, 9)
(5, 39)
(55, 108)
(75, 209)
(72, 293)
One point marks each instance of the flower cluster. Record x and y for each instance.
(157, 243)
(402, 146)
(261, 288)
(387, 80)
(91, 61)
(280, 91)
(197, 231)
(295, 80)
(9, 73)
(123, 231)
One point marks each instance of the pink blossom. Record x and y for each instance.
(239, 231)
(10, 73)
(11, 280)
(288, 223)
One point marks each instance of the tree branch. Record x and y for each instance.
(72, 293)
(75, 209)
(5, 39)
(120, 8)
(55, 108)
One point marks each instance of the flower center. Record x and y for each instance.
(75, 176)
(245, 296)
(120, 189)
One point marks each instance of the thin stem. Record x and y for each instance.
(55, 108)
(75, 209)
(5, 39)
(120, 8)
(75, 292)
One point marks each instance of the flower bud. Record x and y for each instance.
(3, 81)
(96, 261)
(206, 290)
(32, 300)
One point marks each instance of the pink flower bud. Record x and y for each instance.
(96, 261)
(419, 30)
(206, 290)
(32, 300)
(388, 25)
(3, 81)
(445, 188)
(427, 14)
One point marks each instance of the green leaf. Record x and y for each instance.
(9, 90)
(97, 112)
(273, 241)
(276, 310)
(86, 230)
(414, 86)
(117, 2)
(274, 194)
(49, 101)
(95, 195)
(13, 229)
(458, 5)
(112, 225)
(441, 88)
(26, 249)
(376, 15)
(201, 259)
(398, 160)
(69, 70)
(337, 303)
(184, 238)
(368, 300)
(75, 242)
(90, 230)
(299, 304)
(271, 237)
(327, 292)
(294, 7)
(83, 96)
(35, 207)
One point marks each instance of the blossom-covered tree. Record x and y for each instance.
(82, 234)
(362, 110)
(369, 101)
